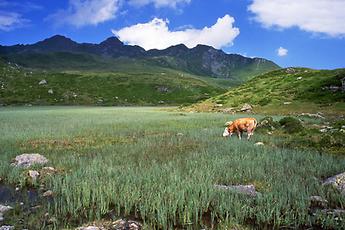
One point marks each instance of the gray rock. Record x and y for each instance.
(126, 225)
(50, 91)
(259, 143)
(334, 212)
(337, 181)
(244, 189)
(48, 193)
(246, 108)
(3, 209)
(89, 228)
(6, 227)
(29, 159)
(43, 82)
(33, 174)
(290, 70)
(318, 201)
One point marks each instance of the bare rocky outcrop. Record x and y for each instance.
(28, 159)
(6, 227)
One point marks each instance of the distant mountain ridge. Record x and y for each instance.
(201, 60)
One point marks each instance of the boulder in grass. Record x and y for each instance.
(89, 228)
(337, 181)
(33, 174)
(43, 82)
(28, 159)
(6, 227)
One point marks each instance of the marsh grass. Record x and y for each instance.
(161, 167)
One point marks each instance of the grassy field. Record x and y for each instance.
(160, 167)
(285, 91)
(135, 86)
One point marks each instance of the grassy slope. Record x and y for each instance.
(129, 85)
(131, 159)
(268, 92)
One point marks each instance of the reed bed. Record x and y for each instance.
(161, 167)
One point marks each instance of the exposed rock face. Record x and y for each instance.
(337, 181)
(290, 70)
(126, 225)
(244, 189)
(28, 159)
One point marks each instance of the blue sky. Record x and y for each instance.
(308, 33)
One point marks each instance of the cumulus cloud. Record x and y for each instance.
(281, 52)
(11, 20)
(86, 12)
(159, 3)
(156, 34)
(317, 16)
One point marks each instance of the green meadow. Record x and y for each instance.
(159, 166)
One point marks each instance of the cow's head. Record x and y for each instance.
(227, 132)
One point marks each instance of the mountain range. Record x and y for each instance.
(62, 53)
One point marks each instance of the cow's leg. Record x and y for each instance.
(239, 134)
(249, 135)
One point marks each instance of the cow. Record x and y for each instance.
(239, 126)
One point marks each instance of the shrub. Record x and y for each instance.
(291, 125)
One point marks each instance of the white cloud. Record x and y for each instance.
(11, 20)
(317, 16)
(281, 52)
(159, 3)
(156, 34)
(86, 12)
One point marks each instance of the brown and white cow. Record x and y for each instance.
(239, 126)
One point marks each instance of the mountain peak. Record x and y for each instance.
(112, 41)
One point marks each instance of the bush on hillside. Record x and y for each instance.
(291, 125)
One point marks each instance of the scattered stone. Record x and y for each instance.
(33, 174)
(259, 143)
(229, 110)
(28, 159)
(52, 220)
(162, 89)
(6, 227)
(243, 189)
(218, 105)
(290, 70)
(126, 225)
(17, 189)
(180, 134)
(89, 228)
(313, 115)
(3, 209)
(43, 82)
(50, 91)
(269, 133)
(318, 201)
(246, 108)
(48, 193)
(299, 78)
(161, 102)
(334, 212)
(337, 181)
(287, 103)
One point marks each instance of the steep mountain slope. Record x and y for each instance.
(59, 52)
(284, 91)
(164, 87)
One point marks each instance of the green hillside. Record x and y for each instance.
(133, 87)
(284, 91)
